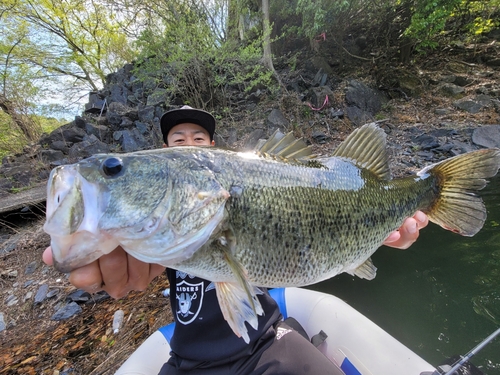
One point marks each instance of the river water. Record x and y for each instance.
(441, 297)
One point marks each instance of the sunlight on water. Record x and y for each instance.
(441, 297)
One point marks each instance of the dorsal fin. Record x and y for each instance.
(265, 146)
(366, 147)
(285, 147)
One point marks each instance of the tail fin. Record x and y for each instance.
(458, 208)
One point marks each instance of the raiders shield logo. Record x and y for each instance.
(189, 299)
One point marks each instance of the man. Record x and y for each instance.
(202, 342)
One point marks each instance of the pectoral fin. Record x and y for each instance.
(238, 301)
(366, 271)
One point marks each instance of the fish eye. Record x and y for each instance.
(111, 166)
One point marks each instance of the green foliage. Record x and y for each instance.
(242, 67)
(469, 18)
(191, 62)
(12, 140)
(429, 19)
(317, 17)
(52, 50)
(49, 124)
(178, 57)
(424, 23)
(316, 13)
(486, 16)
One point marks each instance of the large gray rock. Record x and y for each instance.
(90, 146)
(51, 155)
(410, 84)
(358, 116)
(116, 112)
(452, 90)
(253, 138)
(118, 94)
(131, 140)
(365, 98)
(363, 102)
(157, 97)
(277, 120)
(118, 84)
(475, 104)
(79, 122)
(468, 106)
(41, 294)
(96, 104)
(100, 131)
(146, 114)
(67, 311)
(462, 81)
(316, 63)
(487, 136)
(66, 133)
(61, 146)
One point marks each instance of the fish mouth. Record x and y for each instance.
(74, 208)
(62, 193)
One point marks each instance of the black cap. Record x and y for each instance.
(187, 114)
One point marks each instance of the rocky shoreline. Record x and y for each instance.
(429, 118)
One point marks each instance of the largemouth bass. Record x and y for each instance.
(246, 221)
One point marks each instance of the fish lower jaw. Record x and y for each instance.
(79, 249)
(68, 266)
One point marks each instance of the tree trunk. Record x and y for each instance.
(267, 57)
(233, 20)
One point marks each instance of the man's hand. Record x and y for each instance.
(408, 233)
(117, 273)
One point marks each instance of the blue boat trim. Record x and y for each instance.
(349, 368)
(167, 331)
(279, 296)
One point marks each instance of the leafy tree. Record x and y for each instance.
(49, 46)
(466, 17)
(75, 39)
(17, 88)
(194, 63)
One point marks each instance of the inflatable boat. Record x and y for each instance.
(356, 345)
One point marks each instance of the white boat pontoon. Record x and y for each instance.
(356, 345)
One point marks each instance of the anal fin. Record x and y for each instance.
(366, 271)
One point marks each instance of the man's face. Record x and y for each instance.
(188, 134)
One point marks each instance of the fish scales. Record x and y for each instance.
(249, 220)
(304, 234)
